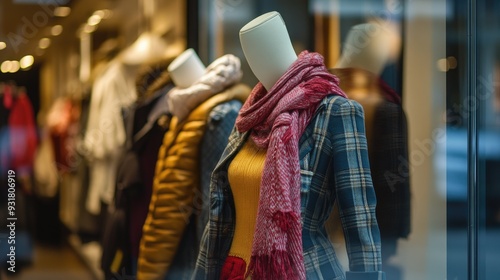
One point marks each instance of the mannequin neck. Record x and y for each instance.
(360, 63)
(267, 48)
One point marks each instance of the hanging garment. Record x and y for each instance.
(5, 151)
(169, 233)
(88, 223)
(45, 170)
(18, 144)
(134, 182)
(23, 134)
(105, 134)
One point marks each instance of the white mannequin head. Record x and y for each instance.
(186, 69)
(367, 46)
(267, 47)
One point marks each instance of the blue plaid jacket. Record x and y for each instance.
(334, 167)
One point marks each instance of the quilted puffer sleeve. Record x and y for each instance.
(171, 204)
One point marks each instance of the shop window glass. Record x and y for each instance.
(426, 62)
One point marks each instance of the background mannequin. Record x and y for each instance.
(366, 51)
(186, 69)
(204, 105)
(367, 47)
(267, 47)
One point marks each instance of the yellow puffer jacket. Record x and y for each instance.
(174, 185)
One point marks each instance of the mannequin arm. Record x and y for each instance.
(354, 191)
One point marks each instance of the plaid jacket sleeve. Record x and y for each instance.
(354, 190)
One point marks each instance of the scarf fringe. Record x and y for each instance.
(279, 264)
(274, 267)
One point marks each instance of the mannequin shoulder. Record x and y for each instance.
(335, 105)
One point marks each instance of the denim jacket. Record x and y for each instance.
(334, 167)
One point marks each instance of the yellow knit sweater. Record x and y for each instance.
(244, 174)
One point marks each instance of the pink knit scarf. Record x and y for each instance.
(277, 119)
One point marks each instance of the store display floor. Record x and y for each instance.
(53, 263)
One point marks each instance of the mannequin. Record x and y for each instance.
(366, 47)
(148, 48)
(269, 65)
(186, 69)
(366, 51)
(268, 49)
(203, 105)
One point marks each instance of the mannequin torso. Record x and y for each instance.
(325, 176)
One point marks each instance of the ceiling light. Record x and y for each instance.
(44, 43)
(2, 45)
(6, 65)
(14, 66)
(26, 61)
(94, 20)
(56, 30)
(62, 11)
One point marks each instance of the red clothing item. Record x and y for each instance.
(62, 121)
(23, 134)
(233, 269)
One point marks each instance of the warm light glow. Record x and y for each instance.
(26, 61)
(6, 65)
(44, 43)
(2, 45)
(452, 62)
(103, 14)
(89, 28)
(94, 20)
(62, 11)
(14, 66)
(56, 30)
(442, 65)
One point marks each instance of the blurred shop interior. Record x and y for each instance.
(66, 65)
